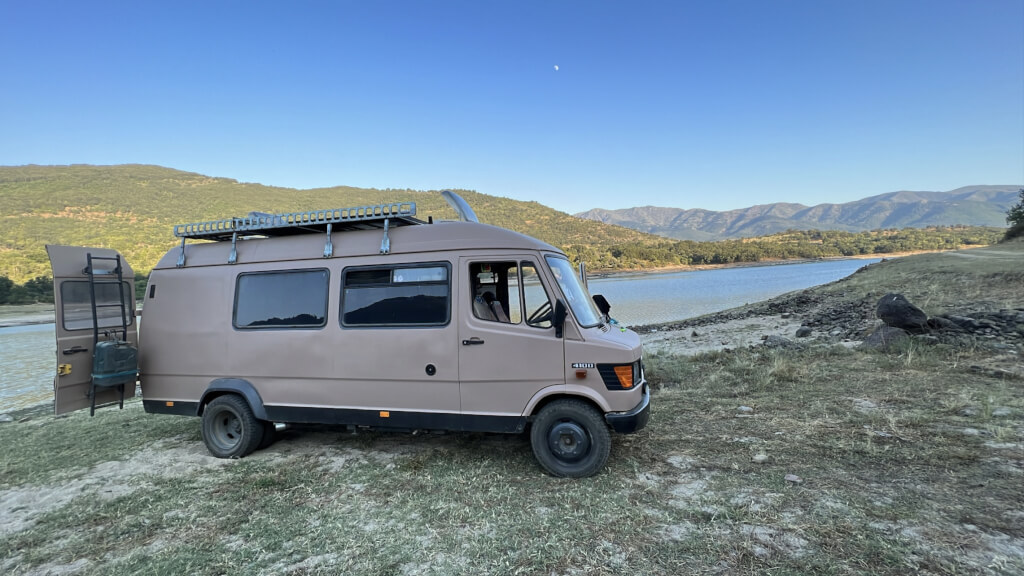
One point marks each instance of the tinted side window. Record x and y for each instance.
(292, 299)
(417, 295)
(76, 304)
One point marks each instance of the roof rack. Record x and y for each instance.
(262, 224)
(377, 216)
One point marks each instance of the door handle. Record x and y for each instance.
(74, 350)
(472, 341)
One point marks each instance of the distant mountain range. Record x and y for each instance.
(970, 205)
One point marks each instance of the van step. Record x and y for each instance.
(262, 224)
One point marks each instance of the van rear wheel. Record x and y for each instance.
(570, 439)
(229, 428)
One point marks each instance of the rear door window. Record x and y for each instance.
(76, 304)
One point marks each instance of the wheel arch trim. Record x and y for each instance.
(238, 386)
(552, 393)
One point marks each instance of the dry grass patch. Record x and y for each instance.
(885, 477)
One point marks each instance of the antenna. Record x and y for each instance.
(460, 206)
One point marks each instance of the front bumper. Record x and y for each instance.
(635, 419)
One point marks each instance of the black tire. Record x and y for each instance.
(570, 439)
(269, 436)
(229, 428)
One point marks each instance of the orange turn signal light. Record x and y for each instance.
(581, 374)
(385, 414)
(169, 404)
(625, 375)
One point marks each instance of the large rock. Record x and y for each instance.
(898, 312)
(885, 337)
(774, 341)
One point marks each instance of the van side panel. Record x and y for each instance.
(191, 341)
(184, 333)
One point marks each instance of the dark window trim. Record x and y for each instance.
(433, 264)
(327, 296)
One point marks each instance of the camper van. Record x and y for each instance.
(362, 317)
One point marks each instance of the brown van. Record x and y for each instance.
(365, 317)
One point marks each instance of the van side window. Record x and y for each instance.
(403, 295)
(500, 289)
(77, 304)
(495, 291)
(285, 299)
(515, 304)
(538, 306)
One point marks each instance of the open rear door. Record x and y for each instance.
(76, 333)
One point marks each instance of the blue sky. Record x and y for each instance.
(717, 104)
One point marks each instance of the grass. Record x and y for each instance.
(848, 462)
(890, 484)
(935, 282)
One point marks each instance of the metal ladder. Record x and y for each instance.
(92, 273)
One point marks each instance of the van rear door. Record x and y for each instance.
(74, 319)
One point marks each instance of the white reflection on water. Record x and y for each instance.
(28, 353)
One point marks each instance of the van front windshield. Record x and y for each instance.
(581, 303)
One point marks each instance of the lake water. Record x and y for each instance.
(27, 353)
(638, 299)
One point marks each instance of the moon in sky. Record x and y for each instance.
(556, 67)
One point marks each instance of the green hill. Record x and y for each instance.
(132, 208)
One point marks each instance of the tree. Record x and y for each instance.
(6, 285)
(1015, 215)
(1015, 218)
(40, 289)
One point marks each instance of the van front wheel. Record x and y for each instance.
(229, 428)
(570, 439)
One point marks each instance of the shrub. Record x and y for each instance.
(6, 285)
(1015, 231)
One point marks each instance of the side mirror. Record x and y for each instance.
(602, 304)
(559, 319)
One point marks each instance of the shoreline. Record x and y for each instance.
(758, 264)
(16, 315)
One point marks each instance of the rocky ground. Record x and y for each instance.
(835, 314)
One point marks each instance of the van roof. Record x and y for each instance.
(440, 236)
